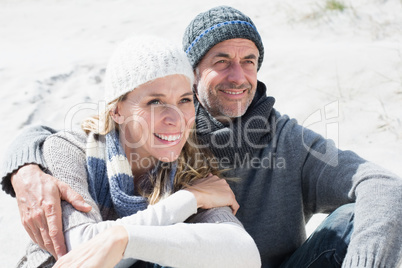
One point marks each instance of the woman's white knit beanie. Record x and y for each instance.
(139, 60)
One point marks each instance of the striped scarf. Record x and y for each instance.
(110, 179)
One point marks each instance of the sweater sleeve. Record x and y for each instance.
(332, 177)
(25, 149)
(65, 155)
(193, 245)
(173, 209)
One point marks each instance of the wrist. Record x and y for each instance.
(22, 172)
(120, 235)
(197, 195)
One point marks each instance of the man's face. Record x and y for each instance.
(226, 78)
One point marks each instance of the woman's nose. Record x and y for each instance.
(172, 115)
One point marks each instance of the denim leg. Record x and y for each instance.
(327, 246)
(143, 264)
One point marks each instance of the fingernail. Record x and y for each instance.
(87, 205)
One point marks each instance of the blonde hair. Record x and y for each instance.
(193, 162)
(102, 124)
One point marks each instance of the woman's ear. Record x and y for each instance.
(116, 115)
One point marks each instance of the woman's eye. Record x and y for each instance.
(186, 100)
(154, 102)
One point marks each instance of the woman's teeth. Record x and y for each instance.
(168, 137)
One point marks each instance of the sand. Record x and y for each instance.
(337, 72)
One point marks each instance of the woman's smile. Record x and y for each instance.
(158, 118)
(169, 139)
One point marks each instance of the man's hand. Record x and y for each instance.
(38, 196)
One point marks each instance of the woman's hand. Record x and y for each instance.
(213, 192)
(104, 250)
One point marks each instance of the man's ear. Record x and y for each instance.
(116, 116)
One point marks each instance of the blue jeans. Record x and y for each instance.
(327, 246)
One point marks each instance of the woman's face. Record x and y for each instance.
(155, 120)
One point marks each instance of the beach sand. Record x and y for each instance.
(336, 71)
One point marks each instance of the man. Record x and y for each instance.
(285, 172)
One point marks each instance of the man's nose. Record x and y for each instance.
(236, 74)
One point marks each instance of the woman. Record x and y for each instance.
(140, 169)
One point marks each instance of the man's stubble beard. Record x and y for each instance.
(217, 108)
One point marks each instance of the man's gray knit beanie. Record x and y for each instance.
(214, 26)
